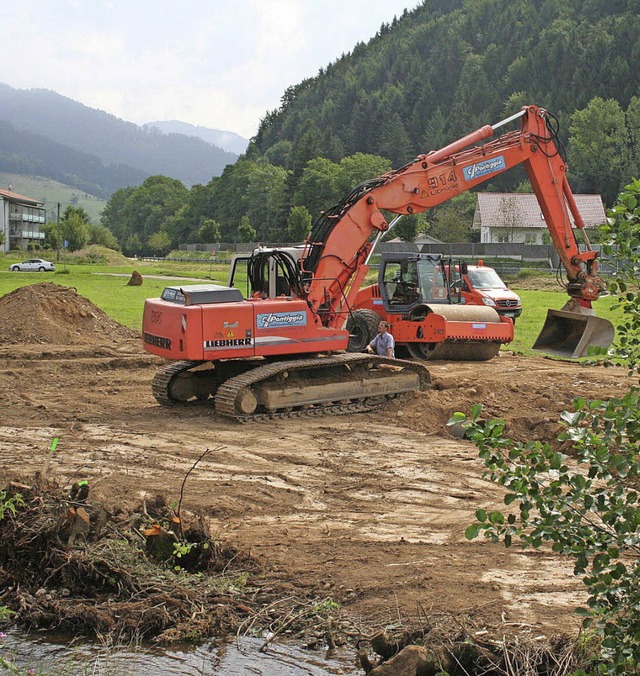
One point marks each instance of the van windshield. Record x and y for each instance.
(485, 279)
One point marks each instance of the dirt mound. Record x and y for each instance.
(546, 282)
(367, 511)
(94, 253)
(135, 279)
(53, 314)
(529, 393)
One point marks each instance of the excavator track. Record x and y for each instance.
(345, 383)
(165, 386)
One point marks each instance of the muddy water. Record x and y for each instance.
(239, 658)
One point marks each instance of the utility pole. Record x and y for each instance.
(58, 233)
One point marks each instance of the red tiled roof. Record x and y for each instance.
(19, 198)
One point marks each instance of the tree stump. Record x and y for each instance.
(411, 661)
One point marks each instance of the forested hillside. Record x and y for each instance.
(432, 76)
(453, 65)
(145, 151)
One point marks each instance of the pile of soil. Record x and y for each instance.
(54, 314)
(95, 253)
(529, 393)
(541, 282)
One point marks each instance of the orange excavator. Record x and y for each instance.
(279, 348)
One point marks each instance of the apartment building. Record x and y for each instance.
(21, 219)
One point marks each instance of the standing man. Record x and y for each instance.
(383, 344)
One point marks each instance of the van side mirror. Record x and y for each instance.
(463, 268)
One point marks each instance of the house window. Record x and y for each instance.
(530, 238)
(502, 237)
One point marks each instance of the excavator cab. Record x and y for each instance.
(400, 284)
(406, 280)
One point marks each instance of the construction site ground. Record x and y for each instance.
(369, 509)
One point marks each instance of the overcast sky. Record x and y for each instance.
(216, 63)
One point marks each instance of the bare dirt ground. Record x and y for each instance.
(368, 509)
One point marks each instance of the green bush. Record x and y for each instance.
(621, 237)
(588, 511)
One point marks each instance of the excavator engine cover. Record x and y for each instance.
(570, 334)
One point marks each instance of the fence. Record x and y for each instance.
(507, 257)
(232, 247)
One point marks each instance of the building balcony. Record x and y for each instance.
(28, 218)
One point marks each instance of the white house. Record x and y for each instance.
(517, 217)
(20, 220)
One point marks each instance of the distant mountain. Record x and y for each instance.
(226, 140)
(23, 152)
(111, 141)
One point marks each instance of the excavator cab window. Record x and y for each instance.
(409, 281)
(392, 275)
(457, 282)
(401, 283)
(282, 285)
(440, 289)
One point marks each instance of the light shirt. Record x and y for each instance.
(382, 342)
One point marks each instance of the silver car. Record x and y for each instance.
(33, 265)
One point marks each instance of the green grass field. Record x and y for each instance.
(106, 287)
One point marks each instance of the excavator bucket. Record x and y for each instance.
(570, 334)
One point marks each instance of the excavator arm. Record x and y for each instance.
(339, 245)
